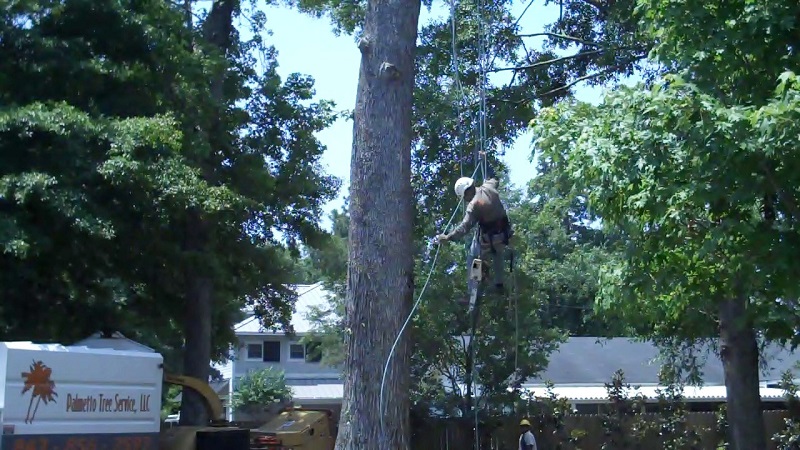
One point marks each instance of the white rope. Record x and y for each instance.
(474, 375)
(483, 132)
(483, 53)
(411, 315)
(481, 164)
(456, 78)
(516, 321)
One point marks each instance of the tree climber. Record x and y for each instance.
(484, 208)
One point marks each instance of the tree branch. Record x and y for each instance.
(561, 88)
(579, 80)
(596, 3)
(549, 61)
(448, 373)
(561, 36)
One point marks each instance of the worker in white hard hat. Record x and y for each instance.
(485, 209)
(526, 439)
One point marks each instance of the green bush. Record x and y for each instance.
(261, 388)
(170, 403)
(789, 437)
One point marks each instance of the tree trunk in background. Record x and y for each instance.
(197, 327)
(217, 30)
(381, 262)
(739, 354)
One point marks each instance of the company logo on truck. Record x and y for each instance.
(108, 403)
(42, 388)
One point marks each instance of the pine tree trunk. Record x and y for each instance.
(739, 353)
(217, 30)
(381, 263)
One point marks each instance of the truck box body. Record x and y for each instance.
(59, 397)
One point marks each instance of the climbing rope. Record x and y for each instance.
(456, 79)
(411, 315)
(516, 318)
(483, 54)
(480, 165)
(473, 352)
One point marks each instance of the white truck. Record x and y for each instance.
(54, 397)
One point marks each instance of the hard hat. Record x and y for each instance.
(462, 184)
(524, 423)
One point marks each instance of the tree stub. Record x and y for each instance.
(389, 71)
(364, 44)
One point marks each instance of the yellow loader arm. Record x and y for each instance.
(213, 403)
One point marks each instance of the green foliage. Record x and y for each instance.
(559, 253)
(702, 41)
(112, 153)
(618, 413)
(722, 428)
(672, 425)
(512, 343)
(328, 264)
(559, 408)
(697, 172)
(329, 331)
(696, 231)
(624, 423)
(260, 388)
(169, 403)
(789, 437)
(702, 189)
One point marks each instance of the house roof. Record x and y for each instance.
(309, 296)
(591, 361)
(220, 387)
(300, 380)
(116, 341)
(317, 392)
(225, 369)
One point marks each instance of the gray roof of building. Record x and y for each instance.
(593, 361)
(116, 341)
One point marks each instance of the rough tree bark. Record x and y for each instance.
(739, 354)
(381, 263)
(217, 30)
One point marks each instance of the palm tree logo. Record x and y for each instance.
(38, 379)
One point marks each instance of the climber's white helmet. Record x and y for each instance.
(462, 184)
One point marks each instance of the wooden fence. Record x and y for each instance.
(459, 435)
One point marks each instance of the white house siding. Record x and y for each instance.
(313, 383)
(291, 367)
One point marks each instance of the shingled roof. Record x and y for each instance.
(592, 361)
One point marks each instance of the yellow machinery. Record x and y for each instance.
(296, 429)
(213, 403)
(292, 429)
(190, 437)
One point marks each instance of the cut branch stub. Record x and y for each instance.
(364, 44)
(389, 71)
